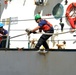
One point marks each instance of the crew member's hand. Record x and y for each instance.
(34, 32)
(31, 32)
(72, 30)
(28, 31)
(1, 35)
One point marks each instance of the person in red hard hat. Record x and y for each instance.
(3, 33)
(46, 27)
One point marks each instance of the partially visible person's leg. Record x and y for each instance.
(39, 43)
(42, 41)
(45, 45)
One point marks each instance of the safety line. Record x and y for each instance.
(55, 33)
(49, 40)
(41, 33)
(24, 29)
(32, 19)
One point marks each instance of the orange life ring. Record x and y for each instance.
(71, 20)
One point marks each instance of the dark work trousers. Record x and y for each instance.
(42, 40)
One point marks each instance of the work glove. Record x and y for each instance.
(28, 31)
(34, 32)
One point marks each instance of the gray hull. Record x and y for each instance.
(32, 63)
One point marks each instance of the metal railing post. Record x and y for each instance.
(8, 33)
(28, 41)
